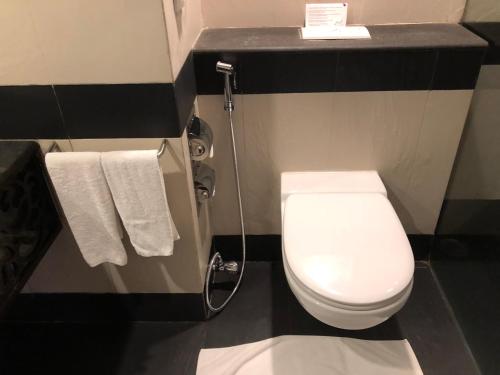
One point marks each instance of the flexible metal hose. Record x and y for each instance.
(240, 206)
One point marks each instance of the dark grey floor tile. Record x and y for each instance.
(248, 317)
(468, 268)
(163, 348)
(107, 349)
(264, 307)
(21, 348)
(428, 324)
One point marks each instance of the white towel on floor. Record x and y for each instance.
(85, 198)
(136, 182)
(318, 355)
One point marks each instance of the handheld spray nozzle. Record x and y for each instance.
(227, 70)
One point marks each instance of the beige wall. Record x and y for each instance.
(83, 41)
(476, 173)
(482, 11)
(409, 137)
(64, 270)
(184, 23)
(257, 13)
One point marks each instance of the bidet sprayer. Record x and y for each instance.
(227, 70)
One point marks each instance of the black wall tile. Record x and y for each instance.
(469, 217)
(259, 247)
(208, 81)
(421, 245)
(287, 72)
(385, 70)
(185, 92)
(492, 56)
(119, 110)
(29, 112)
(458, 69)
(344, 70)
(268, 247)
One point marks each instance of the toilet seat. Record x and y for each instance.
(347, 250)
(319, 299)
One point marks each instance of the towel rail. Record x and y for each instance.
(163, 146)
(54, 147)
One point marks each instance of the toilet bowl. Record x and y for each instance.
(346, 256)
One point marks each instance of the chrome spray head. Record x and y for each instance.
(222, 67)
(227, 70)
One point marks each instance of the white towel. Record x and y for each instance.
(85, 198)
(319, 355)
(136, 182)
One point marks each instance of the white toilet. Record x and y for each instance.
(347, 258)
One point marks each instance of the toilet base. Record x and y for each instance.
(345, 318)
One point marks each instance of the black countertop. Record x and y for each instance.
(398, 57)
(383, 37)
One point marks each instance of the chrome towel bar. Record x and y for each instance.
(161, 151)
(54, 147)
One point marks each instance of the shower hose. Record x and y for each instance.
(216, 259)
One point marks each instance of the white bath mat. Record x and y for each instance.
(319, 355)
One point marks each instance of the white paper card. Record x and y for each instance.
(340, 32)
(326, 14)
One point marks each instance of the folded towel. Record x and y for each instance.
(136, 182)
(85, 198)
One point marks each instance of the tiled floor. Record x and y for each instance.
(264, 307)
(468, 269)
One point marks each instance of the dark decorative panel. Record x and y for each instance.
(29, 220)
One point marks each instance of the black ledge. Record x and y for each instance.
(489, 31)
(398, 57)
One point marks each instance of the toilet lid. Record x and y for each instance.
(349, 248)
